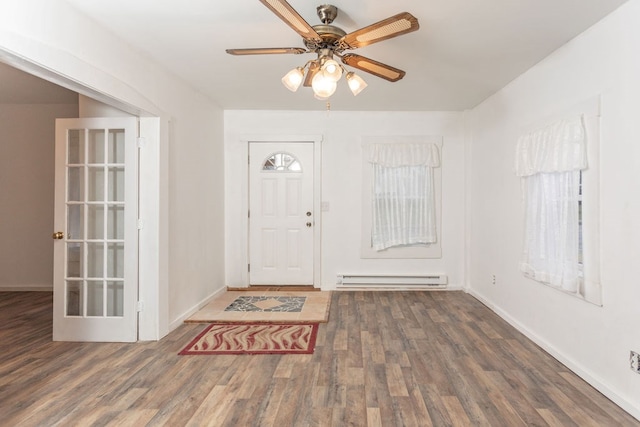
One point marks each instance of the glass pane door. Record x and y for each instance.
(96, 213)
(95, 207)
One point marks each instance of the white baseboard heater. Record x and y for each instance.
(430, 281)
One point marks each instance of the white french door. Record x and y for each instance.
(281, 217)
(96, 236)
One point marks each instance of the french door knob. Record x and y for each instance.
(58, 235)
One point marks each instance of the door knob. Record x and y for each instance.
(309, 225)
(58, 235)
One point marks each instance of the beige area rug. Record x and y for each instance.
(266, 307)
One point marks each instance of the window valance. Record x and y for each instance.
(558, 147)
(403, 154)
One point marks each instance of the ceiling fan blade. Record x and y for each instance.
(376, 68)
(394, 26)
(266, 51)
(314, 67)
(289, 15)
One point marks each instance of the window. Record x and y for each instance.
(402, 195)
(403, 206)
(551, 252)
(560, 198)
(282, 162)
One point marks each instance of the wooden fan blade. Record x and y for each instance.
(314, 67)
(289, 15)
(376, 68)
(266, 51)
(395, 26)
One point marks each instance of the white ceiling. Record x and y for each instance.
(464, 51)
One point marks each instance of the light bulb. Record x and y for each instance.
(356, 83)
(332, 70)
(322, 86)
(293, 79)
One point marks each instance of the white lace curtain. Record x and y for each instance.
(549, 161)
(403, 199)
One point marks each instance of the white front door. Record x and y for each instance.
(95, 287)
(281, 217)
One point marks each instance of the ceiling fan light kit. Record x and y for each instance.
(356, 83)
(323, 87)
(293, 79)
(327, 41)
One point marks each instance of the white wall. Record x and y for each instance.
(88, 107)
(51, 35)
(342, 185)
(26, 193)
(594, 341)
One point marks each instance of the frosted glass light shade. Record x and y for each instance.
(356, 83)
(293, 79)
(332, 70)
(322, 86)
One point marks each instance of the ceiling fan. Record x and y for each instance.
(327, 41)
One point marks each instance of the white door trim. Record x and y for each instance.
(317, 197)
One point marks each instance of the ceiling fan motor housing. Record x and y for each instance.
(327, 13)
(330, 34)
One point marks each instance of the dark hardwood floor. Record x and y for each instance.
(385, 359)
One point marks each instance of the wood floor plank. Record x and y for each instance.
(213, 407)
(383, 359)
(268, 411)
(434, 402)
(606, 408)
(419, 407)
(133, 418)
(504, 391)
(355, 411)
(317, 417)
(457, 414)
(395, 380)
(294, 399)
(373, 417)
(550, 418)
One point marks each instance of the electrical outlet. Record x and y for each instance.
(634, 362)
(493, 279)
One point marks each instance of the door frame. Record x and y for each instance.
(316, 140)
(153, 272)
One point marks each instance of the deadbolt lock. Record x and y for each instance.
(308, 213)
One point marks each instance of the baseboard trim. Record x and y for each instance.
(27, 288)
(180, 320)
(578, 369)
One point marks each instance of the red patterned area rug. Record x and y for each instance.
(254, 338)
